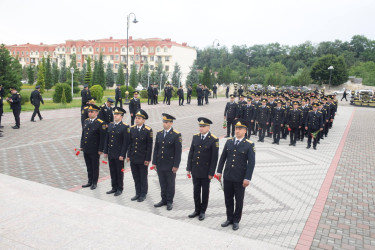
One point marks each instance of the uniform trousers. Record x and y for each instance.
(234, 190)
(201, 187)
(167, 185)
(92, 165)
(140, 173)
(117, 176)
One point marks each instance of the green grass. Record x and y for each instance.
(48, 104)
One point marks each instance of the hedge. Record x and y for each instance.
(97, 92)
(58, 92)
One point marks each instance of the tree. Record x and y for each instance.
(365, 70)
(120, 75)
(48, 74)
(83, 74)
(94, 79)
(62, 76)
(24, 73)
(176, 75)
(100, 73)
(30, 74)
(10, 70)
(206, 80)
(88, 75)
(192, 77)
(76, 74)
(41, 75)
(133, 76)
(144, 75)
(109, 76)
(55, 73)
(320, 72)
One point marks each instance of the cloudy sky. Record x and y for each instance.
(197, 22)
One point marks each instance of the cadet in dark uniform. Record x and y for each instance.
(15, 105)
(277, 121)
(200, 95)
(92, 144)
(86, 95)
(327, 107)
(134, 106)
(263, 117)
(257, 103)
(287, 107)
(241, 104)
(227, 92)
(115, 147)
(314, 122)
(240, 91)
(214, 91)
(84, 112)
(324, 112)
(106, 111)
(189, 94)
(180, 93)
(156, 93)
(206, 92)
(35, 99)
(169, 94)
(239, 158)
(139, 154)
(118, 97)
(231, 113)
(202, 160)
(272, 105)
(150, 95)
(305, 110)
(294, 123)
(248, 114)
(166, 160)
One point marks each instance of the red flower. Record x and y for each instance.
(216, 177)
(75, 149)
(123, 170)
(152, 168)
(78, 152)
(189, 176)
(289, 129)
(104, 162)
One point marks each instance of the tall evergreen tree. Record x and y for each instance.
(193, 76)
(55, 73)
(24, 73)
(76, 74)
(83, 74)
(10, 70)
(30, 74)
(176, 76)
(101, 73)
(41, 75)
(144, 75)
(48, 74)
(94, 79)
(133, 76)
(206, 80)
(120, 75)
(109, 76)
(88, 76)
(62, 76)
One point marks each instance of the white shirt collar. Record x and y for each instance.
(205, 135)
(167, 131)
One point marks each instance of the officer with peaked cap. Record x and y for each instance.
(231, 113)
(35, 99)
(314, 124)
(15, 105)
(118, 97)
(134, 106)
(86, 95)
(106, 111)
(84, 112)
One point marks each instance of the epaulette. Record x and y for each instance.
(147, 127)
(99, 120)
(125, 124)
(176, 131)
(161, 131)
(196, 134)
(249, 141)
(230, 138)
(87, 118)
(86, 107)
(103, 106)
(214, 136)
(133, 126)
(319, 111)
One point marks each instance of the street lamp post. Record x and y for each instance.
(127, 56)
(148, 79)
(330, 68)
(161, 78)
(213, 43)
(72, 71)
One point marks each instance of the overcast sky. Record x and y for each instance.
(197, 22)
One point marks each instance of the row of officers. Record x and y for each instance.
(279, 118)
(119, 143)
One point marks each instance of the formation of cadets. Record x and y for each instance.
(104, 133)
(279, 114)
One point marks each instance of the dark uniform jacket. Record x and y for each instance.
(140, 144)
(106, 114)
(231, 110)
(305, 110)
(214, 89)
(314, 120)
(328, 110)
(84, 114)
(241, 105)
(86, 95)
(203, 156)
(118, 94)
(116, 140)
(150, 91)
(167, 151)
(239, 160)
(189, 92)
(240, 91)
(287, 110)
(199, 92)
(169, 91)
(134, 105)
(156, 91)
(16, 104)
(278, 116)
(263, 114)
(294, 118)
(93, 136)
(36, 98)
(206, 92)
(180, 93)
(248, 112)
(324, 115)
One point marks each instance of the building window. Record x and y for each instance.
(131, 49)
(68, 49)
(84, 49)
(110, 49)
(159, 58)
(111, 57)
(151, 49)
(22, 53)
(117, 57)
(104, 58)
(31, 53)
(79, 57)
(165, 49)
(138, 49)
(137, 58)
(157, 49)
(103, 49)
(116, 49)
(166, 68)
(116, 66)
(167, 58)
(151, 58)
(123, 49)
(73, 49)
(97, 50)
(45, 53)
(151, 67)
(90, 49)
(63, 49)
(144, 49)
(27, 59)
(131, 58)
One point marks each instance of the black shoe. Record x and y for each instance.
(118, 192)
(294, 144)
(160, 204)
(236, 226)
(135, 198)
(290, 144)
(301, 140)
(41, 118)
(32, 120)
(325, 135)
(15, 127)
(309, 146)
(314, 147)
(193, 215)
(93, 186)
(169, 206)
(226, 223)
(141, 198)
(318, 142)
(1, 126)
(273, 142)
(202, 216)
(262, 141)
(277, 143)
(87, 185)
(111, 191)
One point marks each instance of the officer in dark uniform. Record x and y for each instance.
(166, 160)
(118, 97)
(257, 103)
(169, 94)
(263, 117)
(287, 107)
(134, 106)
(156, 93)
(35, 99)
(324, 112)
(106, 111)
(294, 123)
(277, 121)
(305, 110)
(240, 91)
(332, 111)
(200, 95)
(189, 94)
(15, 105)
(202, 160)
(248, 114)
(239, 158)
(214, 91)
(314, 122)
(206, 93)
(86, 95)
(92, 144)
(227, 92)
(231, 113)
(241, 104)
(165, 93)
(327, 107)
(84, 112)
(139, 154)
(272, 104)
(150, 94)
(180, 93)
(115, 147)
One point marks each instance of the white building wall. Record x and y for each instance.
(185, 57)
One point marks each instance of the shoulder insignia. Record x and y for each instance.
(147, 127)
(100, 120)
(214, 136)
(176, 131)
(249, 141)
(87, 118)
(125, 124)
(83, 112)
(133, 126)
(196, 134)
(85, 107)
(319, 111)
(160, 131)
(103, 105)
(104, 127)
(230, 138)
(217, 144)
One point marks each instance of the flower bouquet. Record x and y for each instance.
(225, 124)
(314, 134)
(221, 184)
(77, 152)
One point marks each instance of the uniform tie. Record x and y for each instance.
(236, 144)
(165, 133)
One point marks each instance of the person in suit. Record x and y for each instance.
(202, 160)
(206, 92)
(156, 93)
(238, 156)
(189, 94)
(277, 121)
(118, 97)
(165, 93)
(166, 160)
(240, 91)
(214, 91)
(200, 95)
(134, 106)
(169, 93)
(106, 111)
(115, 146)
(85, 113)
(15, 105)
(92, 145)
(263, 117)
(86, 95)
(248, 113)
(314, 122)
(180, 93)
(150, 94)
(231, 113)
(227, 92)
(35, 99)
(294, 123)
(139, 154)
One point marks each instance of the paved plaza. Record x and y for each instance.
(298, 198)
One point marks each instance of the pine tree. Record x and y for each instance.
(206, 80)
(88, 76)
(24, 73)
(62, 76)
(10, 70)
(83, 74)
(63, 97)
(41, 74)
(30, 74)
(94, 79)
(55, 74)
(101, 73)
(133, 76)
(176, 76)
(48, 74)
(144, 75)
(192, 77)
(76, 74)
(109, 76)
(120, 75)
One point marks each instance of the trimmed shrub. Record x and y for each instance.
(143, 94)
(76, 90)
(123, 90)
(24, 98)
(59, 91)
(97, 92)
(194, 90)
